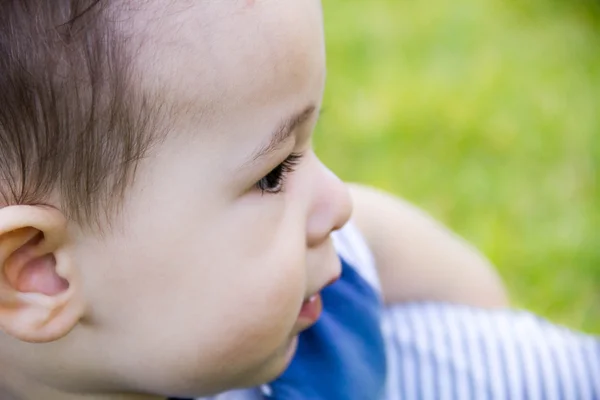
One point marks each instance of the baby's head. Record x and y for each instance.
(162, 214)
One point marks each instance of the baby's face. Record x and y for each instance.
(200, 287)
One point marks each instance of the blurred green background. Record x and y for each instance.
(486, 113)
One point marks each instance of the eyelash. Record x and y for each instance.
(274, 181)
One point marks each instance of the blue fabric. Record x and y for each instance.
(343, 355)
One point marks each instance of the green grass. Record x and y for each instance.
(486, 113)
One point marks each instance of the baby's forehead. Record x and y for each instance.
(217, 54)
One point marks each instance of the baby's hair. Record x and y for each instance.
(72, 122)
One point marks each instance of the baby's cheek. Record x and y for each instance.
(248, 341)
(261, 320)
(266, 309)
(246, 301)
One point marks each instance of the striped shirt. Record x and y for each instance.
(447, 352)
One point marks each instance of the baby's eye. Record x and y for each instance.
(274, 181)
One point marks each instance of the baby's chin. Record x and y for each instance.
(275, 365)
(267, 371)
(290, 351)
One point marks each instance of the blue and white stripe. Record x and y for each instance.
(503, 354)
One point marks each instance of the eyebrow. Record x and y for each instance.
(283, 131)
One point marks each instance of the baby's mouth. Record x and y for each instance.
(312, 308)
(310, 311)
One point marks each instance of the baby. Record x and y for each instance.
(166, 229)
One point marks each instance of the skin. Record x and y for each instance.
(198, 285)
(204, 295)
(419, 259)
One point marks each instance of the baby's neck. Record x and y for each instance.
(15, 387)
(6, 395)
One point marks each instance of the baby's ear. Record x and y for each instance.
(40, 288)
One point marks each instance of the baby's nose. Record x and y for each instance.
(332, 209)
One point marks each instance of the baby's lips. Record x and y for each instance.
(311, 310)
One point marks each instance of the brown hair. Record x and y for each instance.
(72, 121)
